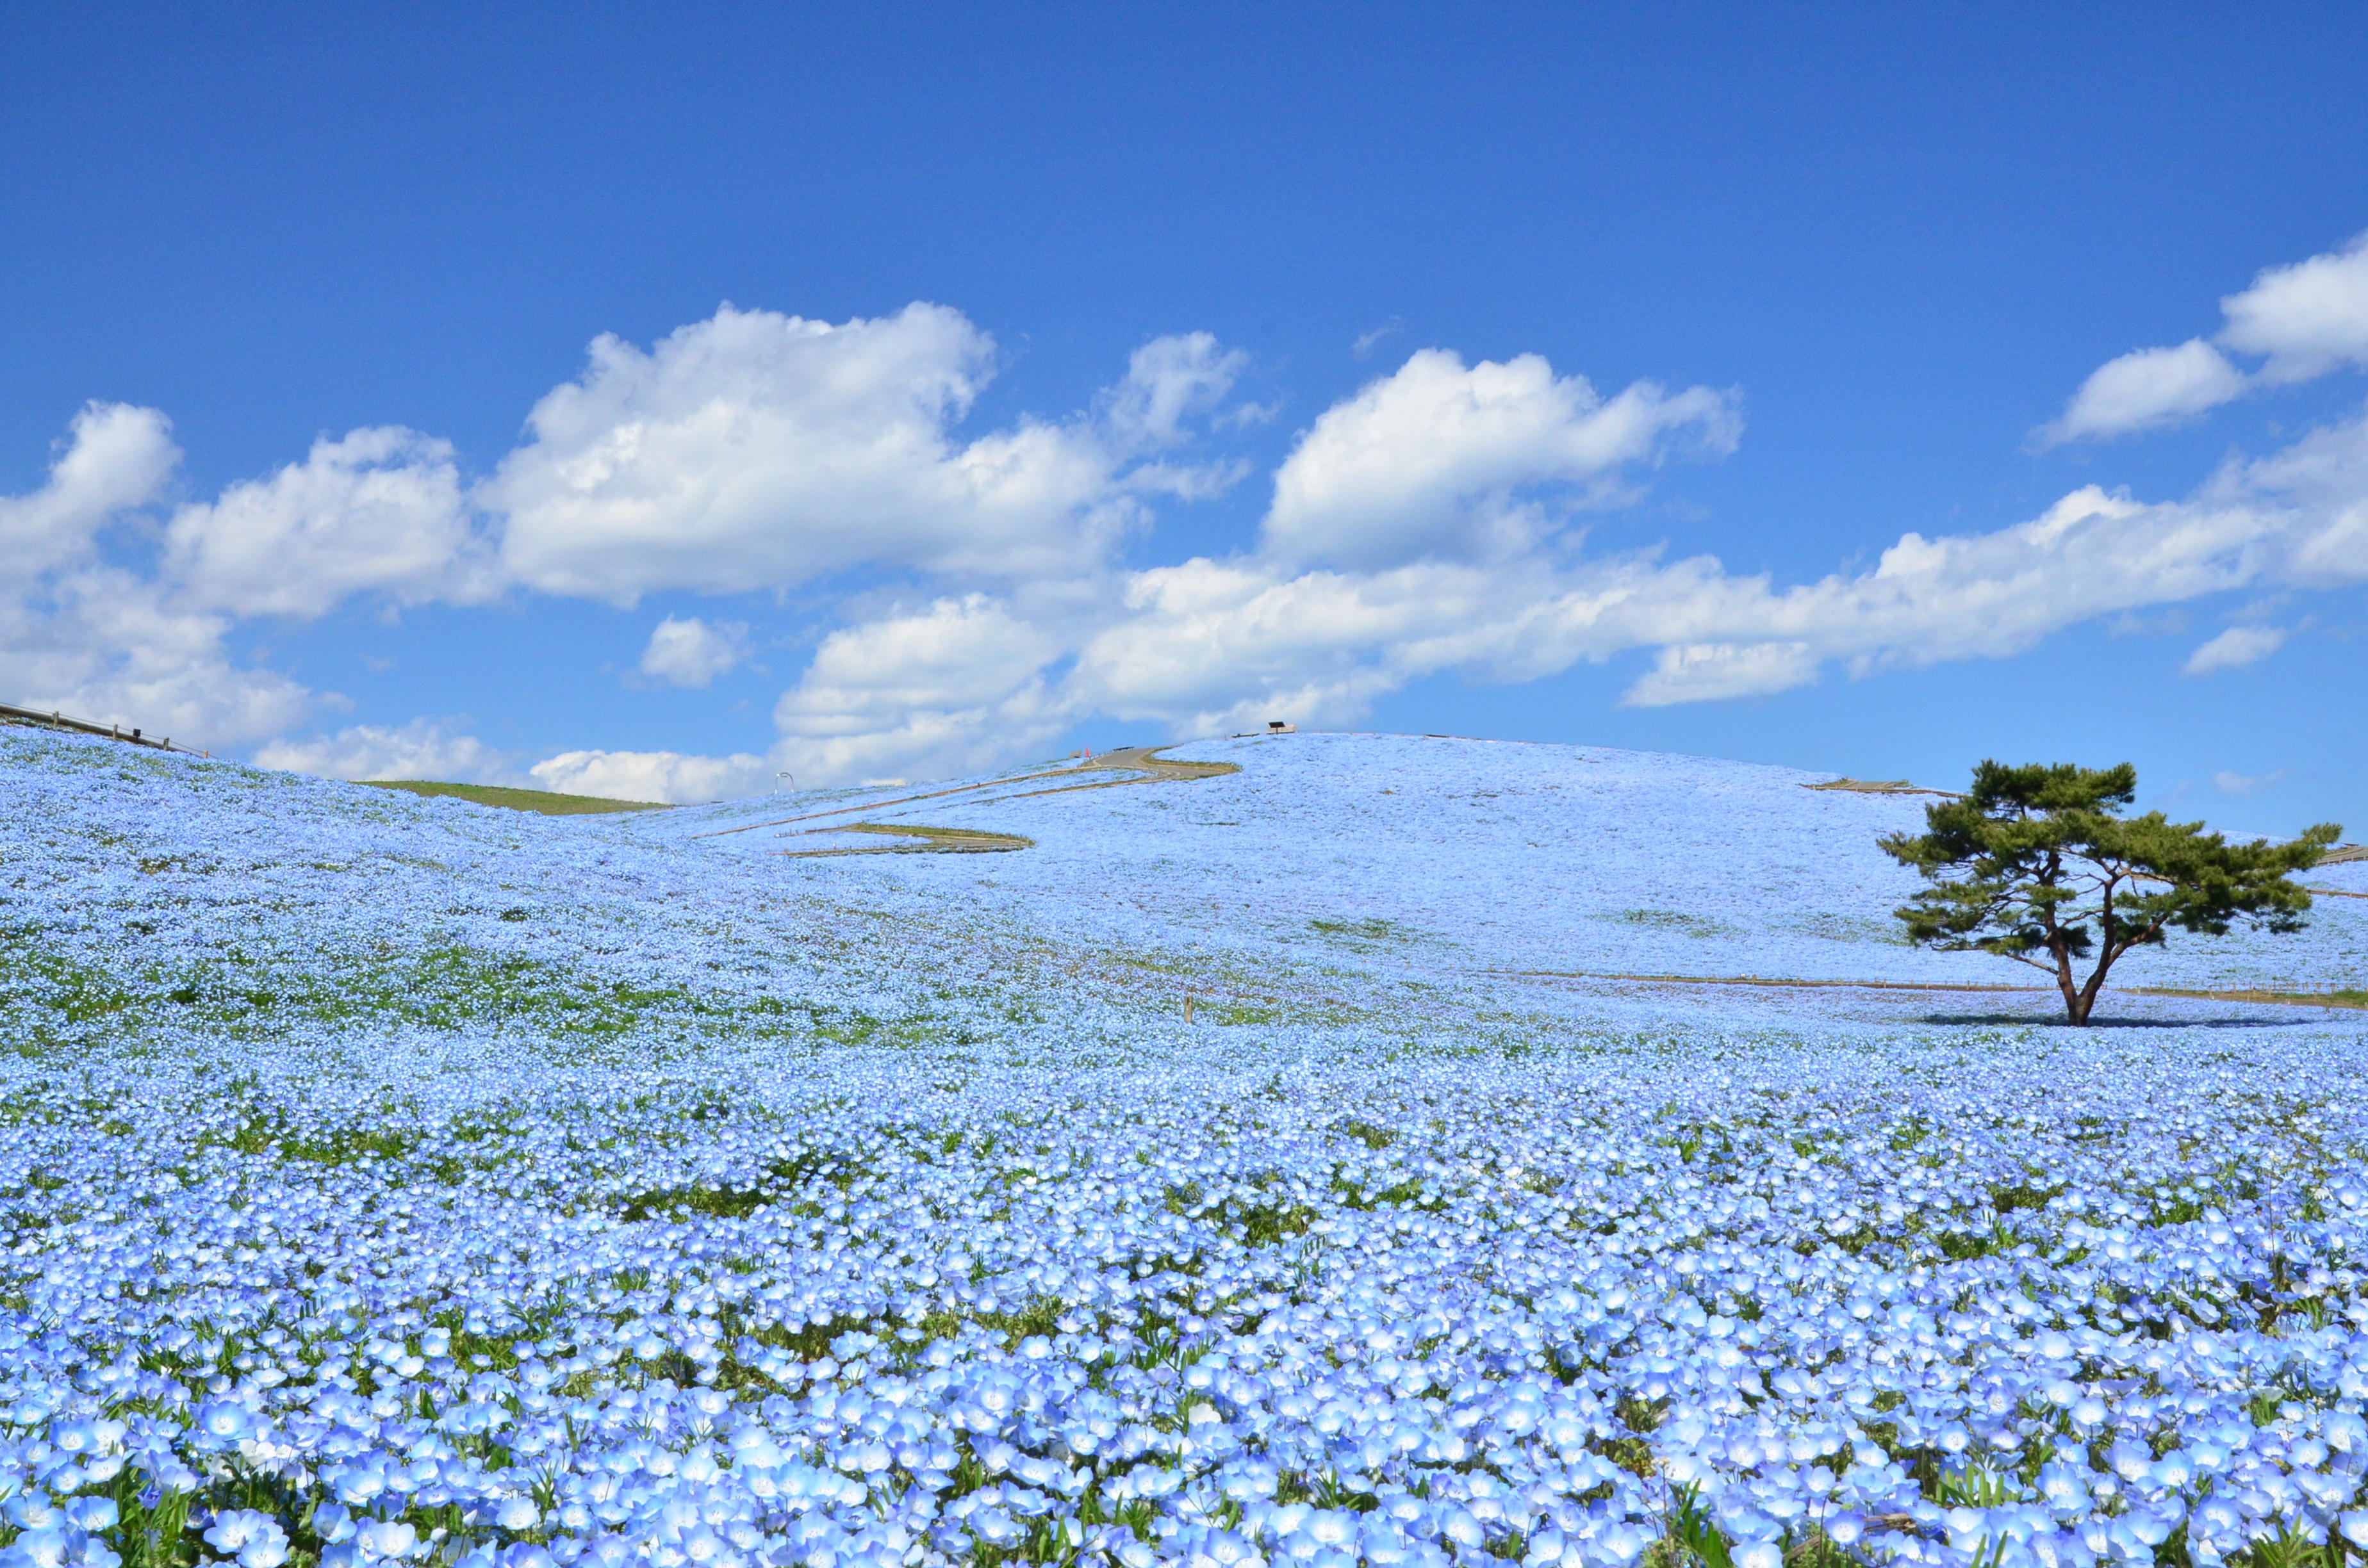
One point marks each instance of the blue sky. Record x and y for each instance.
(984, 384)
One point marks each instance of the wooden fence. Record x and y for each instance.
(134, 737)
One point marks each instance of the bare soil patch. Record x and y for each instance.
(1143, 760)
(933, 841)
(544, 802)
(1879, 787)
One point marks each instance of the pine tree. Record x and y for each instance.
(2035, 864)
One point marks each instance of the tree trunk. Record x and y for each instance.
(2088, 997)
(2075, 1005)
(2106, 956)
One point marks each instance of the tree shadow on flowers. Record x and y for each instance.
(2097, 1021)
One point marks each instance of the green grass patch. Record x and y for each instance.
(1362, 930)
(1676, 922)
(60, 996)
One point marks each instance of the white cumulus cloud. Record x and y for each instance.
(1213, 643)
(378, 511)
(114, 458)
(749, 450)
(2308, 318)
(2147, 388)
(426, 748)
(662, 776)
(105, 646)
(691, 652)
(2235, 648)
(1220, 643)
(104, 641)
(759, 450)
(958, 684)
(1166, 380)
(1704, 672)
(2304, 319)
(1444, 459)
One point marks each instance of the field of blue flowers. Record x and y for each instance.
(389, 1180)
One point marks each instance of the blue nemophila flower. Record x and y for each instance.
(47, 1547)
(385, 1539)
(255, 1540)
(850, 1235)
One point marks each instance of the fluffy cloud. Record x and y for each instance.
(662, 776)
(378, 511)
(1214, 644)
(104, 645)
(1168, 380)
(756, 450)
(2320, 483)
(2146, 389)
(1209, 642)
(961, 683)
(114, 458)
(955, 685)
(1441, 459)
(2309, 318)
(425, 748)
(434, 749)
(102, 641)
(749, 450)
(2235, 648)
(1704, 672)
(2304, 319)
(1217, 646)
(693, 652)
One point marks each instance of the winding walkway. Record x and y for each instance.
(933, 841)
(1145, 762)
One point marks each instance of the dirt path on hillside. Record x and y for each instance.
(933, 841)
(1145, 762)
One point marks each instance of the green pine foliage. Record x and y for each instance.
(2036, 863)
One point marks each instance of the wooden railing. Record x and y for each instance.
(134, 737)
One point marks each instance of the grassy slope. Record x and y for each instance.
(539, 801)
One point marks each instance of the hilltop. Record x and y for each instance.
(1291, 873)
(1483, 861)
